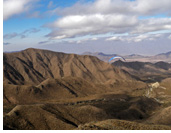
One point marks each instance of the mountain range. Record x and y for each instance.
(166, 57)
(146, 71)
(52, 90)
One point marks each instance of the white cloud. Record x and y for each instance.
(14, 7)
(114, 38)
(137, 38)
(79, 25)
(151, 7)
(94, 38)
(59, 37)
(112, 20)
(111, 16)
(137, 7)
(151, 25)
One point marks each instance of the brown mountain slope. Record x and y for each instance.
(50, 90)
(163, 116)
(54, 117)
(114, 124)
(70, 116)
(33, 66)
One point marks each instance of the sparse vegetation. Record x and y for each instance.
(49, 90)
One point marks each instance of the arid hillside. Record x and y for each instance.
(73, 114)
(51, 90)
(146, 71)
(34, 76)
(32, 66)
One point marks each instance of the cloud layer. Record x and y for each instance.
(79, 25)
(136, 7)
(111, 16)
(138, 38)
(14, 7)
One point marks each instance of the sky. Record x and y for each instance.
(78, 26)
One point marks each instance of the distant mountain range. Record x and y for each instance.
(166, 57)
(146, 71)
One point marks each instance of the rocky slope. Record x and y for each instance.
(32, 66)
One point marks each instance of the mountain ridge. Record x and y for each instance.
(32, 66)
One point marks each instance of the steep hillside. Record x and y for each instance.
(162, 116)
(32, 66)
(50, 117)
(52, 90)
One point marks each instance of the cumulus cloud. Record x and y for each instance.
(110, 16)
(81, 40)
(14, 7)
(137, 7)
(152, 7)
(79, 25)
(151, 25)
(137, 38)
(114, 38)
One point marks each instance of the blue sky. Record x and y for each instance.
(77, 26)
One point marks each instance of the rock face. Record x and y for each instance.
(32, 66)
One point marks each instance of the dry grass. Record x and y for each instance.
(114, 124)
